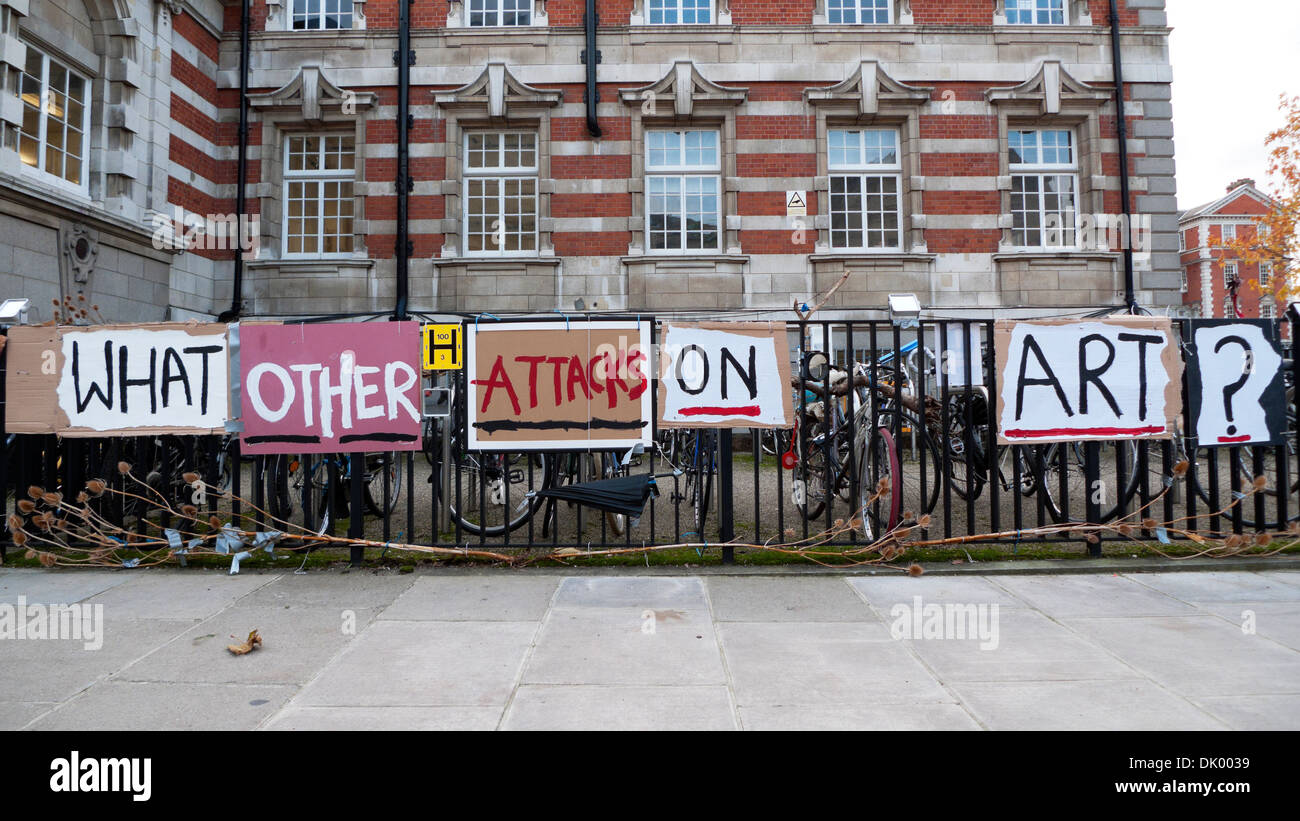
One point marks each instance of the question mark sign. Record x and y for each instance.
(1231, 390)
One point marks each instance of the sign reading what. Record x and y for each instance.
(164, 378)
(558, 385)
(725, 375)
(1236, 387)
(1065, 380)
(326, 388)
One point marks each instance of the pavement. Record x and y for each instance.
(521, 650)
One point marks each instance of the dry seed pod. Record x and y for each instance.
(83, 497)
(1263, 539)
(189, 511)
(47, 560)
(1180, 469)
(915, 569)
(96, 487)
(190, 478)
(15, 522)
(124, 468)
(20, 538)
(30, 554)
(52, 498)
(924, 521)
(1260, 482)
(1150, 524)
(35, 491)
(214, 522)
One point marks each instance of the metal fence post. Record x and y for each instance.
(726, 509)
(356, 507)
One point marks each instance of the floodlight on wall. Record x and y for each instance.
(580, 304)
(14, 311)
(904, 310)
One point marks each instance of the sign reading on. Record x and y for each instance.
(559, 385)
(443, 349)
(117, 379)
(1236, 387)
(725, 375)
(326, 388)
(1066, 379)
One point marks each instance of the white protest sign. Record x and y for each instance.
(139, 378)
(1237, 392)
(1067, 380)
(725, 375)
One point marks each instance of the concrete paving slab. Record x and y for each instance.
(1221, 587)
(411, 664)
(793, 599)
(57, 586)
(627, 646)
(1279, 621)
(296, 643)
(474, 598)
(355, 590)
(884, 592)
(1102, 595)
(167, 594)
(44, 670)
(827, 664)
(14, 715)
(1029, 647)
(117, 705)
(1280, 712)
(1197, 656)
(620, 708)
(664, 593)
(385, 718)
(901, 715)
(1134, 704)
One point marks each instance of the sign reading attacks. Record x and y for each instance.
(443, 347)
(117, 379)
(1064, 380)
(559, 385)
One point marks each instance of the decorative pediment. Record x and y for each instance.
(687, 89)
(497, 92)
(869, 87)
(313, 93)
(1050, 87)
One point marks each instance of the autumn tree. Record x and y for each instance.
(1276, 237)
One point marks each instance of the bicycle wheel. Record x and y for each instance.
(1060, 470)
(926, 460)
(491, 491)
(374, 489)
(277, 472)
(610, 468)
(878, 469)
(811, 482)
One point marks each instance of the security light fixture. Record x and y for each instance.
(14, 311)
(904, 309)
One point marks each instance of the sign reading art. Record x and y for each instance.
(166, 378)
(1066, 379)
(326, 388)
(1235, 383)
(557, 385)
(725, 375)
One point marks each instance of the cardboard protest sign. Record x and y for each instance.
(327, 388)
(1236, 387)
(558, 385)
(725, 375)
(158, 378)
(1063, 380)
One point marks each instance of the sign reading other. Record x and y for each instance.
(326, 388)
(725, 375)
(557, 385)
(118, 380)
(1064, 380)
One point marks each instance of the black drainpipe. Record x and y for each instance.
(1121, 132)
(592, 58)
(403, 57)
(237, 296)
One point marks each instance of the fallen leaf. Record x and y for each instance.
(254, 641)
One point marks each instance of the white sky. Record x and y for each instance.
(1231, 60)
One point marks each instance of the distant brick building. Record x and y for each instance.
(1209, 271)
(946, 149)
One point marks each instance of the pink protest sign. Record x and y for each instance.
(326, 388)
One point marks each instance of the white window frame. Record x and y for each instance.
(858, 10)
(1041, 171)
(292, 15)
(1229, 271)
(676, 6)
(39, 171)
(494, 7)
(1228, 232)
(683, 172)
(321, 176)
(1035, 8)
(501, 173)
(1265, 274)
(1267, 309)
(862, 170)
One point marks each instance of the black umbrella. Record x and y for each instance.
(626, 494)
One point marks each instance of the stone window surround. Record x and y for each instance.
(279, 17)
(885, 104)
(458, 18)
(309, 104)
(496, 101)
(1077, 13)
(900, 15)
(685, 99)
(640, 16)
(1051, 98)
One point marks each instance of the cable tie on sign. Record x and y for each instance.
(566, 319)
(477, 317)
